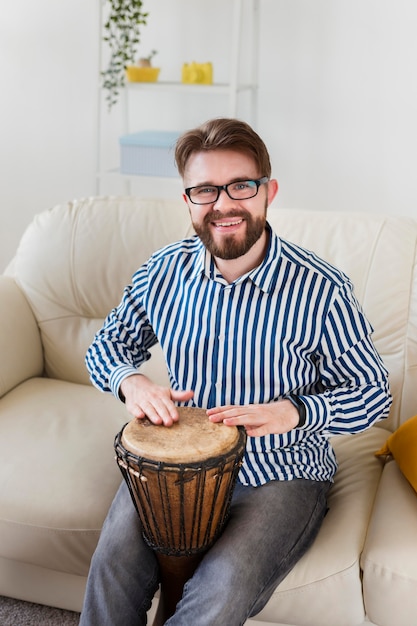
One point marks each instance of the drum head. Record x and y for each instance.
(193, 438)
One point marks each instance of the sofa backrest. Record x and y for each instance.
(74, 260)
(379, 254)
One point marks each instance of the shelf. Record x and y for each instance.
(215, 88)
(232, 91)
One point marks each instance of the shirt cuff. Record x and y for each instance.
(117, 377)
(317, 412)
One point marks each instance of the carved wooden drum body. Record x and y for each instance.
(181, 481)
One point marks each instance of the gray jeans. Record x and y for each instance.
(269, 529)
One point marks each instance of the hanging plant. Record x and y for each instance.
(122, 34)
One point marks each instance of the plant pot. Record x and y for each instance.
(136, 74)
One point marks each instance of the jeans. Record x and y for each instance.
(269, 529)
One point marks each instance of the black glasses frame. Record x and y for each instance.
(258, 182)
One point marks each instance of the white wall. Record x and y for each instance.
(337, 99)
(339, 105)
(48, 59)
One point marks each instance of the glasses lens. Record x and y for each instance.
(203, 195)
(242, 190)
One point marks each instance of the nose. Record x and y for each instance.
(224, 200)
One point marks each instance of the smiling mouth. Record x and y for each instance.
(227, 224)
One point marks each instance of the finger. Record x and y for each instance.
(238, 420)
(219, 414)
(135, 410)
(222, 417)
(182, 396)
(241, 420)
(218, 410)
(234, 415)
(159, 411)
(249, 421)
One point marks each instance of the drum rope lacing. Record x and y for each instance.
(190, 534)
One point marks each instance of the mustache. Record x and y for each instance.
(219, 215)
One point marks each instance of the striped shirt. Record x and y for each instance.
(290, 326)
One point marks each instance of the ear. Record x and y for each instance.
(187, 202)
(272, 190)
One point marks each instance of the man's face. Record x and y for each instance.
(228, 228)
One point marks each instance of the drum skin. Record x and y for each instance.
(181, 478)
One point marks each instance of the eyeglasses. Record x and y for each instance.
(239, 190)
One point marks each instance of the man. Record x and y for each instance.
(261, 333)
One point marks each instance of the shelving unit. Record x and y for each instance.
(231, 91)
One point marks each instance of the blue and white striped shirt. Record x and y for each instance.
(290, 326)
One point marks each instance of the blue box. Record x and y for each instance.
(148, 153)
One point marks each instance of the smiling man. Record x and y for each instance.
(262, 334)
(229, 219)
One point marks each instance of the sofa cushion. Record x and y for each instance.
(58, 472)
(390, 554)
(330, 569)
(402, 445)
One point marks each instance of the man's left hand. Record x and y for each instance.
(274, 418)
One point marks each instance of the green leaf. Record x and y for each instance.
(122, 35)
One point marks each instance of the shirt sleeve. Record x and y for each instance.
(353, 377)
(122, 345)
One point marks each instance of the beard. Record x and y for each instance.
(231, 246)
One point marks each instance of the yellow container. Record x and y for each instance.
(197, 73)
(136, 74)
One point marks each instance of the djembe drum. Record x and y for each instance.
(181, 481)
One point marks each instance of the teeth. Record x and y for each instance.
(229, 223)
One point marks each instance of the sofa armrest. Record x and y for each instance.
(20, 342)
(389, 558)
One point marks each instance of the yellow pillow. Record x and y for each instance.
(402, 445)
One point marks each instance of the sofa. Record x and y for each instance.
(58, 472)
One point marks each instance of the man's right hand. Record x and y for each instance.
(144, 398)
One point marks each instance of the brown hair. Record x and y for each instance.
(223, 134)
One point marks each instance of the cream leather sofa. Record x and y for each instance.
(58, 474)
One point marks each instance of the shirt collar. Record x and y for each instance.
(262, 276)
